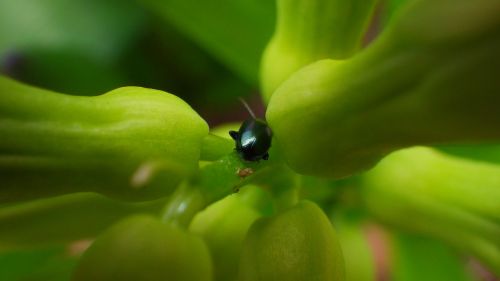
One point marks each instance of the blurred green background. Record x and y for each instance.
(206, 52)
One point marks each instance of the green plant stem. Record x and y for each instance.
(286, 198)
(213, 182)
(184, 204)
(285, 187)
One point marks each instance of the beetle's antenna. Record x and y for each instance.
(245, 104)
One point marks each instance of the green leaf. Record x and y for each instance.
(64, 219)
(234, 31)
(131, 143)
(429, 79)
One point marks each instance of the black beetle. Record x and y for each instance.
(253, 139)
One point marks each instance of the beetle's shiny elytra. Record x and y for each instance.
(253, 139)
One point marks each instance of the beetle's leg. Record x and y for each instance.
(234, 135)
(266, 156)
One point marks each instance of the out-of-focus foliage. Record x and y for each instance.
(416, 258)
(54, 263)
(358, 254)
(89, 47)
(64, 219)
(234, 31)
(487, 153)
(71, 46)
(448, 198)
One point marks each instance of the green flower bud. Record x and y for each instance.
(131, 143)
(444, 197)
(430, 78)
(143, 248)
(224, 226)
(296, 244)
(309, 30)
(218, 143)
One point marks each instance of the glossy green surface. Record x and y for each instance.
(143, 248)
(429, 78)
(296, 244)
(131, 143)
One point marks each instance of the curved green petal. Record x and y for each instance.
(431, 78)
(309, 30)
(131, 143)
(447, 198)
